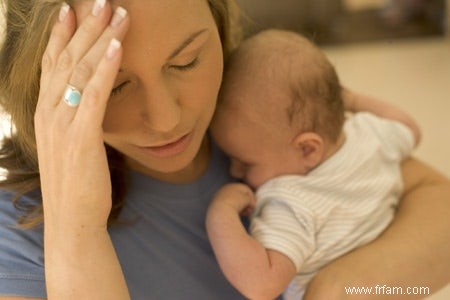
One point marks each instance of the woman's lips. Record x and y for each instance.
(170, 149)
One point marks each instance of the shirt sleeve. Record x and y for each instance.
(21, 254)
(278, 227)
(397, 139)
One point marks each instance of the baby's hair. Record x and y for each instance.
(297, 65)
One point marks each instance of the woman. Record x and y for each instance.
(150, 102)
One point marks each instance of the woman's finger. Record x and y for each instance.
(59, 38)
(117, 29)
(84, 70)
(97, 91)
(84, 38)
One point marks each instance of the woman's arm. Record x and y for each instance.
(80, 260)
(411, 256)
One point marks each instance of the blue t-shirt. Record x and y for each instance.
(162, 247)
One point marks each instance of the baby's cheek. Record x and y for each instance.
(253, 179)
(261, 176)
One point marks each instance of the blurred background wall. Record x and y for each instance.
(343, 21)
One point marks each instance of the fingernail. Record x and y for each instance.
(118, 17)
(63, 12)
(98, 6)
(114, 45)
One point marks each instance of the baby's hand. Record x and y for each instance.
(237, 196)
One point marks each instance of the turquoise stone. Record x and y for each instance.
(72, 97)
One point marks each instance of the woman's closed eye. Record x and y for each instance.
(186, 67)
(118, 89)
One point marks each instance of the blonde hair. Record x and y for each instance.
(28, 26)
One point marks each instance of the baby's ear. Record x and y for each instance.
(310, 147)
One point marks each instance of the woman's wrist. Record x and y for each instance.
(75, 258)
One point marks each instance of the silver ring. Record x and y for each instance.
(72, 96)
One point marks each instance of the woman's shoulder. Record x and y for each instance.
(8, 212)
(21, 252)
(13, 236)
(12, 209)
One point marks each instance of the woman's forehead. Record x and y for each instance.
(159, 26)
(164, 26)
(153, 11)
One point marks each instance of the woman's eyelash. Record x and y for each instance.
(188, 66)
(118, 89)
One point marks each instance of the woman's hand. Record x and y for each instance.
(80, 262)
(355, 102)
(72, 160)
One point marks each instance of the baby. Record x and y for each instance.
(324, 184)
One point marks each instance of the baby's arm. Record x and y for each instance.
(355, 102)
(258, 273)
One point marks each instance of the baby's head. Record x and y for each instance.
(280, 108)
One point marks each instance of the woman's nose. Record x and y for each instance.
(161, 109)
